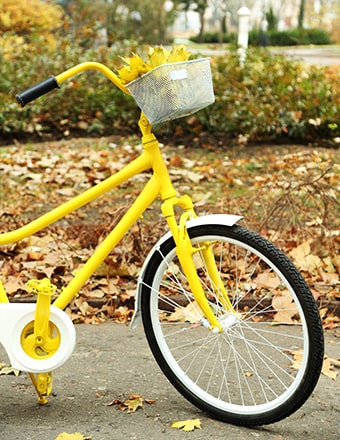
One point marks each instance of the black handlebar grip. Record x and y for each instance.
(38, 90)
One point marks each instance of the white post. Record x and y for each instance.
(243, 32)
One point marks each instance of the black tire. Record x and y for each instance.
(267, 361)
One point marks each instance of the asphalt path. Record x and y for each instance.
(324, 55)
(316, 55)
(109, 363)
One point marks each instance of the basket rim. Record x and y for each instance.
(165, 65)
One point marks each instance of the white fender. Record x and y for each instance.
(213, 219)
(13, 319)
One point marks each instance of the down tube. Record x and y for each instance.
(143, 201)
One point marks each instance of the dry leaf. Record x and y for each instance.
(328, 368)
(74, 436)
(285, 308)
(296, 364)
(5, 370)
(131, 404)
(187, 425)
(191, 313)
(267, 280)
(304, 259)
(330, 322)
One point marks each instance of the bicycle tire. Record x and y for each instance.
(266, 363)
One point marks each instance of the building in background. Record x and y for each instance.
(324, 14)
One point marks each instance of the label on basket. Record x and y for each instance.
(178, 74)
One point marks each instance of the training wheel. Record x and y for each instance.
(35, 355)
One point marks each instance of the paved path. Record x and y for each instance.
(318, 55)
(326, 55)
(111, 361)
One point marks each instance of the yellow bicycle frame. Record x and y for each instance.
(158, 184)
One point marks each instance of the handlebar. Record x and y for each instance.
(54, 82)
(38, 90)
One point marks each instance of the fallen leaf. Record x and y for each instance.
(330, 322)
(187, 425)
(5, 370)
(131, 404)
(74, 436)
(328, 368)
(191, 313)
(285, 308)
(304, 259)
(267, 280)
(296, 364)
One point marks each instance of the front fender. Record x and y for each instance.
(213, 219)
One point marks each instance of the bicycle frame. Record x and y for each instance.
(159, 184)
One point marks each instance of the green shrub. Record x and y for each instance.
(270, 97)
(273, 97)
(291, 37)
(214, 38)
(88, 102)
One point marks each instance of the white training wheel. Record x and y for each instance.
(29, 356)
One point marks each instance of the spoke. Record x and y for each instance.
(262, 333)
(207, 359)
(268, 360)
(239, 359)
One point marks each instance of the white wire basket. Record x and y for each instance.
(174, 90)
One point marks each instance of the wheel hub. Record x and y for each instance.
(229, 321)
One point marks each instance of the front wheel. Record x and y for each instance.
(267, 360)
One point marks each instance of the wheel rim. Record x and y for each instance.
(251, 367)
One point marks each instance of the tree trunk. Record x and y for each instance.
(301, 14)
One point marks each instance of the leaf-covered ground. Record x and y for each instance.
(290, 194)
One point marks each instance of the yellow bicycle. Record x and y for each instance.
(224, 311)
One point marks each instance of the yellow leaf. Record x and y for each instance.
(187, 425)
(74, 436)
(178, 53)
(5, 19)
(136, 66)
(327, 368)
(157, 56)
(125, 74)
(133, 403)
(8, 370)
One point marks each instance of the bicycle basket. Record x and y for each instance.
(174, 90)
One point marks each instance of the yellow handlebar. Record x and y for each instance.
(54, 82)
(91, 65)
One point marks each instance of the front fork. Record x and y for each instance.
(186, 251)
